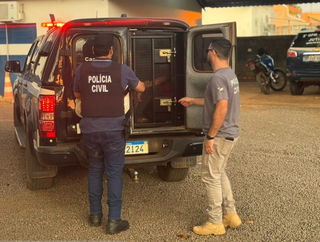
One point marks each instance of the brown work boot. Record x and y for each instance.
(231, 220)
(209, 228)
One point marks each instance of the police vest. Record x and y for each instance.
(101, 91)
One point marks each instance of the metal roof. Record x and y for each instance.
(239, 3)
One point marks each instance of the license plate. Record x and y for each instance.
(314, 58)
(137, 147)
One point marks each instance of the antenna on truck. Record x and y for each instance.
(52, 18)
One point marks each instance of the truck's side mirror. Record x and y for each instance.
(12, 66)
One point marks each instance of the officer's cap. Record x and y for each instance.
(104, 41)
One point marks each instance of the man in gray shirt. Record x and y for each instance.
(221, 128)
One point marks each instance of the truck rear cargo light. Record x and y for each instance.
(292, 53)
(47, 107)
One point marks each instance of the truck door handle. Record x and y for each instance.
(168, 102)
(168, 52)
(172, 101)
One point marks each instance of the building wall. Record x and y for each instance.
(15, 41)
(312, 18)
(241, 15)
(251, 21)
(261, 18)
(185, 10)
(37, 11)
(286, 23)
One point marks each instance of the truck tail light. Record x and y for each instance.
(292, 53)
(47, 107)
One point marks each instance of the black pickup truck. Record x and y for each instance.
(167, 53)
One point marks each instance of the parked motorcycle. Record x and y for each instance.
(266, 75)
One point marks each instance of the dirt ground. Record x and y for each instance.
(274, 170)
(250, 95)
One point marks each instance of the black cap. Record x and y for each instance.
(104, 41)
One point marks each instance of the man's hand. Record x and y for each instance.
(77, 95)
(148, 83)
(186, 101)
(139, 97)
(189, 101)
(208, 145)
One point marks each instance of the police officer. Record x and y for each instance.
(101, 85)
(220, 123)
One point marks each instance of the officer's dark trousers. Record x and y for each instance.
(106, 154)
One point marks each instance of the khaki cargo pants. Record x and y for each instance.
(216, 182)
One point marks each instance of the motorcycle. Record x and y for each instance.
(266, 75)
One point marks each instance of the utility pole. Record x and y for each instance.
(7, 39)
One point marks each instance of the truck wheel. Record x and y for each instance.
(170, 174)
(296, 88)
(37, 174)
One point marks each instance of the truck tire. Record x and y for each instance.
(296, 88)
(170, 174)
(37, 174)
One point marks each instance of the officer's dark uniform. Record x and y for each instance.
(102, 84)
(101, 91)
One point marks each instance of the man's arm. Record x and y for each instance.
(218, 118)
(189, 101)
(77, 95)
(140, 87)
(76, 89)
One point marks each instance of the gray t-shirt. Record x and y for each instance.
(223, 85)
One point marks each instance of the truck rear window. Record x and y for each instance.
(83, 49)
(307, 40)
(201, 43)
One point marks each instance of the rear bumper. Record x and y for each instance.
(162, 150)
(57, 156)
(304, 79)
(303, 76)
(172, 148)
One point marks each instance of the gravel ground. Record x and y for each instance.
(274, 171)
